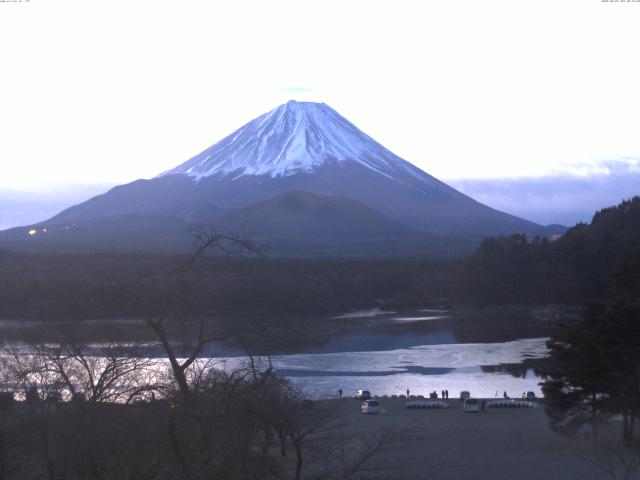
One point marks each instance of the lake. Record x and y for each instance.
(484, 351)
(423, 350)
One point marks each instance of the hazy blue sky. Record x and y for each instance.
(106, 92)
(542, 96)
(557, 198)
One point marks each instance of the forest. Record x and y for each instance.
(88, 286)
(571, 269)
(503, 270)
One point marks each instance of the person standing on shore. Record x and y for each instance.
(340, 392)
(446, 392)
(442, 394)
(407, 392)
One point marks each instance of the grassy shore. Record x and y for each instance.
(499, 443)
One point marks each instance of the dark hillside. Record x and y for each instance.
(80, 287)
(573, 268)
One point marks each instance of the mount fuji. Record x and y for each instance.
(302, 178)
(299, 137)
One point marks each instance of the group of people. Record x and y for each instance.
(444, 394)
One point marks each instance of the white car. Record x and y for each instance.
(464, 395)
(471, 405)
(370, 407)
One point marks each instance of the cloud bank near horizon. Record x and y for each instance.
(26, 207)
(566, 196)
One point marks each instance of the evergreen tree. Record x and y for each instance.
(596, 360)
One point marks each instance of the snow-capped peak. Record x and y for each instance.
(293, 138)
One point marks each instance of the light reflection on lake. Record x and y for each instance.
(424, 350)
(421, 369)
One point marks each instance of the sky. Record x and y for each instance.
(107, 92)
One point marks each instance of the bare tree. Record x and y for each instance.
(160, 305)
(357, 452)
(103, 373)
(172, 309)
(29, 374)
(309, 422)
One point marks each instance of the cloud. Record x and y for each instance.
(599, 167)
(570, 195)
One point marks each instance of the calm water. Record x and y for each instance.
(421, 351)
(424, 350)
(483, 369)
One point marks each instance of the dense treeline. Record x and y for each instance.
(593, 378)
(88, 286)
(576, 267)
(504, 270)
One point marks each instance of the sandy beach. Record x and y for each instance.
(499, 443)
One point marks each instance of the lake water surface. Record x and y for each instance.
(423, 351)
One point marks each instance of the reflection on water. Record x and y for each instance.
(419, 319)
(388, 352)
(424, 350)
(421, 369)
(382, 340)
(372, 312)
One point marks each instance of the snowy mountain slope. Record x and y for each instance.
(297, 137)
(298, 147)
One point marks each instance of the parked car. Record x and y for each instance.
(370, 407)
(363, 395)
(529, 395)
(471, 405)
(464, 395)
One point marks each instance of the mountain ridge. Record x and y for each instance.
(296, 137)
(296, 147)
